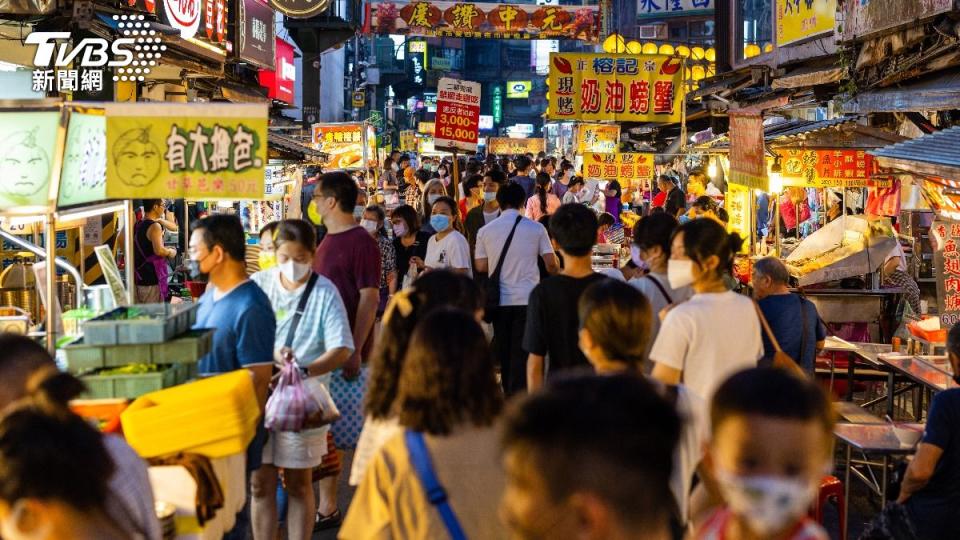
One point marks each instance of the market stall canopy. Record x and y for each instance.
(940, 93)
(775, 132)
(935, 154)
(290, 149)
(809, 76)
(843, 133)
(846, 247)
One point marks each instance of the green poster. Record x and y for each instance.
(84, 175)
(28, 141)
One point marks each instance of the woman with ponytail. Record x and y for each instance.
(615, 330)
(717, 332)
(431, 291)
(543, 202)
(59, 477)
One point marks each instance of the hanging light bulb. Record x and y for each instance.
(683, 51)
(666, 49)
(634, 47)
(711, 168)
(776, 176)
(613, 44)
(650, 48)
(710, 54)
(697, 53)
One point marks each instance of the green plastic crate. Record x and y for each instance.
(83, 358)
(166, 321)
(189, 348)
(130, 386)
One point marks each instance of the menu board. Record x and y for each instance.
(28, 145)
(84, 176)
(830, 168)
(946, 260)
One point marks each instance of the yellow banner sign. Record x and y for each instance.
(408, 140)
(799, 20)
(599, 138)
(627, 168)
(505, 146)
(737, 203)
(830, 168)
(618, 87)
(184, 150)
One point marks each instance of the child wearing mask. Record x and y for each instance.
(771, 443)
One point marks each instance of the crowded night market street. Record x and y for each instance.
(442, 269)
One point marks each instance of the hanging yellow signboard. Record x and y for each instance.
(602, 138)
(799, 20)
(627, 168)
(185, 150)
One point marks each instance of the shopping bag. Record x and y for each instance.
(290, 404)
(348, 395)
(409, 277)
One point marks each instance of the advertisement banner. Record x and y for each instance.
(482, 20)
(798, 21)
(599, 138)
(343, 144)
(28, 147)
(830, 168)
(628, 168)
(616, 87)
(427, 128)
(200, 19)
(748, 164)
(458, 115)
(946, 261)
(737, 203)
(518, 89)
(255, 34)
(506, 146)
(183, 150)
(83, 178)
(280, 81)
(659, 9)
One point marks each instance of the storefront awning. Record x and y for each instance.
(286, 148)
(939, 93)
(934, 155)
(808, 76)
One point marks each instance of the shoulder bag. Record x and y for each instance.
(781, 359)
(436, 494)
(660, 286)
(492, 286)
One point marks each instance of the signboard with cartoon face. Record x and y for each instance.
(28, 144)
(204, 152)
(84, 175)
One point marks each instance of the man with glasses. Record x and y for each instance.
(242, 316)
(150, 255)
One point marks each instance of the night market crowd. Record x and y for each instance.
(495, 384)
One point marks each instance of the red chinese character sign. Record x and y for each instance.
(484, 20)
(458, 115)
(748, 165)
(946, 260)
(617, 87)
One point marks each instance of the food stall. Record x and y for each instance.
(349, 146)
(509, 146)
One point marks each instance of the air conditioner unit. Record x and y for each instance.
(648, 31)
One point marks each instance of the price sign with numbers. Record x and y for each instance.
(458, 115)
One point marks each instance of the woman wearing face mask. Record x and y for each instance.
(268, 256)
(652, 237)
(409, 242)
(714, 334)
(373, 220)
(322, 342)
(54, 470)
(361, 205)
(432, 191)
(448, 248)
(615, 335)
(413, 181)
(564, 176)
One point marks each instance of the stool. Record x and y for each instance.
(830, 488)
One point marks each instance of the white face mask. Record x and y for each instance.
(680, 273)
(369, 224)
(394, 167)
(433, 197)
(293, 270)
(637, 258)
(768, 503)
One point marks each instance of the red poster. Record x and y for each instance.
(208, 18)
(458, 115)
(946, 260)
(221, 20)
(748, 165)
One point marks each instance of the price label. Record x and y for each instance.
(458, 115)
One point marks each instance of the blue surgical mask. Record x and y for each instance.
(439, 222)
(489, 196)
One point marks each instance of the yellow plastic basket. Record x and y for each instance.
(215, 417)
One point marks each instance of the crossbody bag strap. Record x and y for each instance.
(301, 306)
(503, 254)
(766, 328)
(422, 465)
(660, 286)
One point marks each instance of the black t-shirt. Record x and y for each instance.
(675, 202)
(417, 249)
(933, 509)
(146, 275)
(552, 322)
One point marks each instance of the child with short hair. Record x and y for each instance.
(772, 443)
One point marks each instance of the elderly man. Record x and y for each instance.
(793, 319)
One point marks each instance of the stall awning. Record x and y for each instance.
(808, 76)
(939, 93)
(283, 147)
(935, 154)
(782, 130)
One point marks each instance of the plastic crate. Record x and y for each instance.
(188, 348)
(82, 357)
(130, 386)
(166, 321)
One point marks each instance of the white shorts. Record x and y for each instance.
(292, 450)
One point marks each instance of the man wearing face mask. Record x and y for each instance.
(242, 316)
(931, 486)
(484, 213)
(771, 444)
(651, 249)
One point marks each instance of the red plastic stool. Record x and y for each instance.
(830, 488)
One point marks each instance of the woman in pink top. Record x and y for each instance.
(542, 202)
